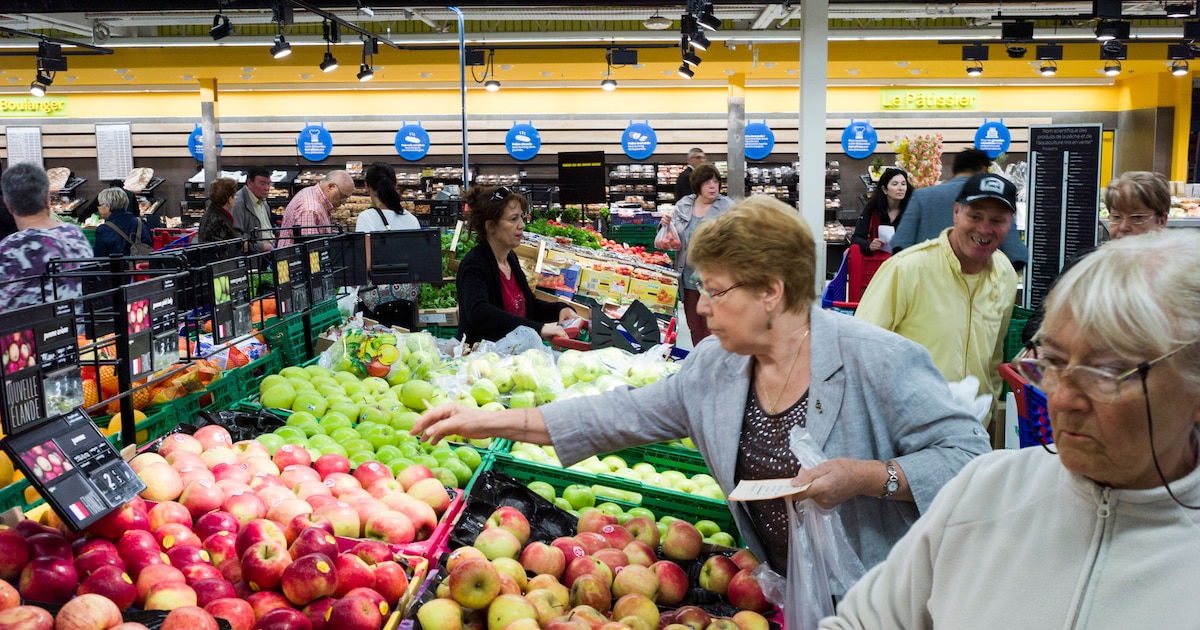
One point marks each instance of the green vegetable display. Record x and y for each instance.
(578, 236)
(444, 296)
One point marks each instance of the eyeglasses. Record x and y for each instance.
(713, 295)
(1131, 219)
(501, 194)
(1098, 384)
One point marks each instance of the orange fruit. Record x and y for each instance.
(108, 381)
(114, 426)
(6, 470)
(91, 393)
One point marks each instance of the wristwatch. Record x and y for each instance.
(893, 482)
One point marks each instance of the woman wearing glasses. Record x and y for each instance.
(1103, 533)
(872, 399)
(1138, 202)
(493, 296)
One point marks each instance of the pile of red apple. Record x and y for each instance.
(606, 576)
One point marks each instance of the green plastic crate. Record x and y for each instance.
(252, 374)
(323, 316)
(222, 392)
(666, 458)
(14, 495)
(1012, 340)
(186, 410)
(662, 502)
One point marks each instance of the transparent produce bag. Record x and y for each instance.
(821, 562)
(667, 238)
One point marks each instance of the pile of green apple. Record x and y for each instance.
(606, 576)
(701, 485)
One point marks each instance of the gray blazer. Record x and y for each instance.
(872, 395)
(246, 221)
(931, 210)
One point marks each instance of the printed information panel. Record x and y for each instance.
(39, 365)
(229, 283)
(79, 473)
(150, 315)
(1064, 201)
(320, 271)
(291, 279)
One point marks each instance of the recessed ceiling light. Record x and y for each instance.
(120, 70)
(16, 79)
(852, 71)
(547, 74)
(506, 66)
(639, 66)
(902, 64)
(666, 73)
(768, 64)
(247, 69)
(246, 77)
(186, 77)
(792, 71)
(729, 73)
(426, 75)
(129, 77)
(305, 76)
(914, 71)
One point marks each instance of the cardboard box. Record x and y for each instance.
(445, 317)
(658, 293)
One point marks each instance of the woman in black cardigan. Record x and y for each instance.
(493, 295)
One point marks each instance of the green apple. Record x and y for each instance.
(610, 508)
(398, 463)
(301, 440)
(316, 370)
(292, 371)
(446, 476)
(374, 414)
(667, 519)
(641, 512)
(350, 389)
(687, 486)
(301, 385)
(468, 456)
(403, 420)
(707, 527)
(323, 442)
(425, 460)
(345, 377)
(704, 479)
(563, 504)
(271, 441)
(579, 496)
(503, 380)
(521, 400)
(687, 442)
(711, 491)
(387, 452)
(645, 468)
(358, 458)
(375, 384)
(662, 529)
(344, 434)
(289, 431)
(359, 444)
(484, 391)
(461, 471)
(627, 473)
(442, 455)
(336, 449)
(311, 428)
(272, 380)
(300, 417)
(279, 397)
(724, 539)
(492, 406)
(415, 394)
(334, 420)
(544, 490)
(312, 402)
(399, 374)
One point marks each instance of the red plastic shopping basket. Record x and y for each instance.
(1033, 421)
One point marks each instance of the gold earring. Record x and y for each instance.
(769, 319)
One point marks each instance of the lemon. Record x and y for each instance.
(6, 470)
(114, 426)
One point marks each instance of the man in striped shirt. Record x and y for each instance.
(310, 209)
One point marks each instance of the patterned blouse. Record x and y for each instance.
(23, 259)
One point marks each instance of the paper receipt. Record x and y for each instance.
(762, 489)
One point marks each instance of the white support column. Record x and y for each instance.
(814, 62)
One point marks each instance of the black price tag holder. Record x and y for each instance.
(70, 463)
(227, 284)
(320, 270)
(39, 365)
(290, 265)
(148, 321)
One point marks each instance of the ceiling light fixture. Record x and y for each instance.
(975, 69)
(37, 89)
(1049, 52)
(975, 52)
(707, 19)
(1113, 51)
(657, 22)
(700, 41)
(281, 48)
(221, 28)
(690, 57)
(1112, 29)
(1179, 67)
(329, 63)
(365, 72)
(608, 85)
(1112, 68)
(1048, 69)
(685, 71)
(492, 85)
(333, 34)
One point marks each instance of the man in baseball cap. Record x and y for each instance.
(954, 294)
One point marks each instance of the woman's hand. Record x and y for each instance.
(566, 316)
(452, 419)
(550, 331)
(836, 481)
(876, 245)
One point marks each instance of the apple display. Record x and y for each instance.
(672, 582)
(213, 522)
(511, 519)
(48, 579)
(643, 530)
(263, 564)
(354, 613)
(640, 553)
(746, 593)
(309, 578)
(474, 583)
(156, 574)
(716, 573)
(283, 619)
(592, 541)
(352, 572)
(639, 606)
(26, 618)
(589, 590)
(139, 559)
(162, 482)
(682, 541)
(110, 582)
(506, 609)
(538, 557)
(440, 614)
(189, 618)
(586, 565)
(390, 581)
(212, 589)
(497, 543)
(169, 596)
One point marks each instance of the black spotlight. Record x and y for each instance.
(1050, 52)
(1112, 29)
(708, 20)
(685, 71)
(1016, 52)
(1113, 50)
(975, 52)
(329, 63)
(221, 28)
(281, 48)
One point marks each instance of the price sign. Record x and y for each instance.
(39, 365)
(291, 279)
(149, 314)
(315, 143)
(320, 270)
(229, 285)
(70, 463)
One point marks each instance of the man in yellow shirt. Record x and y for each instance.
(954, 294)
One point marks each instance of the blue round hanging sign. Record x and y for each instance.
(760, 140)
(412, 142)
(993, 138)
(196, 144)
(523, 141)
(315, 143)
(639, 141)
(859, 139)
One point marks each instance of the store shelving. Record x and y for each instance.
(66, 200)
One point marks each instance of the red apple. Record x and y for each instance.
(615, 559)
(250, 448)
(635, 578)
(592, 541)
(497, 543)
(693, 617)
(9, 596)
(390, 581)
(169, 596)
(245, 507)
(184, 555)
(301, 522)
(591, 520)
(195, 572)
(616, 535)
(292, 475)
(430, 491)
(202, 497)
(290, 454)
(309, 578)
(256, 531)
(474, 583)
(111, 582)
(26, 618)
(314, 540)
(538, 557)
(212, 436)
(639, 552)
(344, 518)
(369, 472)
(441, 614)
(745, 559)
(510, 518)
(168, 512)
(50, 545)
(189, 618)
(263, 564)
(307, 489)
(318, 500)
(383, 486)
(237, 612)
(331, 463)
(645, 530)
(138, 559)
(354, 613)
(231, 569)
(412, 474)
(156, 574)
(87, 563)
(372, 552)
(462, 554)
(162, 482)
(286, 510)
(317, 610)
(716, 573)
(213, 522)
(49, 579)
(341, 482)
(284, 618)
(589, 590)
(219, 546)
(264, 602)
(238, 472)
(174, 534)
(352, 573)
(672, 582)
(117, 522)
(745, 592)
(136, 539)
(570, 547)
(197, 472)
(180, 442)
(682, 541)
(210, 590)
(367, 507)
(390, 527)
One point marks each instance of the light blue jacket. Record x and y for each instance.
(872, 395)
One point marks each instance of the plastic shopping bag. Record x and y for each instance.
(821, 562)
(964, 392)
(667, 238)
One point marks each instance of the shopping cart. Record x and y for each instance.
(172, 238)
(1033, 421)
(848, 286)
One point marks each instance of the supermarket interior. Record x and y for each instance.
(207, 424)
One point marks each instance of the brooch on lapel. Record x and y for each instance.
(819, 406)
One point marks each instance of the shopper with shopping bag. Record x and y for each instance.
(872, 400)
(1100, 532)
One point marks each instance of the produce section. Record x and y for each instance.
(282, 487)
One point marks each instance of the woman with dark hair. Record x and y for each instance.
(217, 222)
(885, 207)
(493, 295)
(386, 214)
(691, 212)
